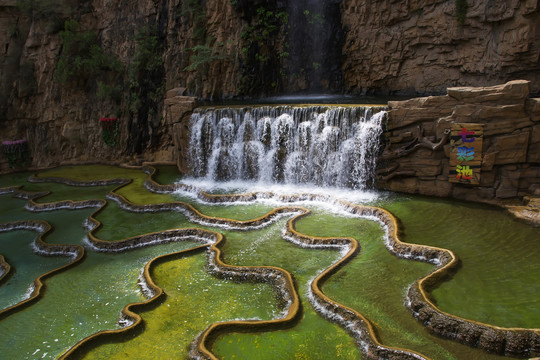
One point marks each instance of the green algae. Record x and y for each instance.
(134, 191)
(501, 252)
(60, 192)
(193, 302)
(313, 337)
(26, 265)
(14, 179)
(16, 246)
(167, 174)
(119, 224)
(91, 296)
(375, 282)
(497, 282)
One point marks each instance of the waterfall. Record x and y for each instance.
(317, 145)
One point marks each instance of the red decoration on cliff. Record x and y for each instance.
(109, 130)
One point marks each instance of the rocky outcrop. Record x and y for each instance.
(61, 120)
(422, 47)
(390, 47)
(217, 27)
(177, 111)
(416, 157)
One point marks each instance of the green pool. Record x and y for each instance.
(496, 283)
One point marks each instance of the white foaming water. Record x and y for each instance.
(317, 146)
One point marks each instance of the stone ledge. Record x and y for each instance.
(512, 92)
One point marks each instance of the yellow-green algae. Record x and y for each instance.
(241, 251)
(193, 302)
(313, 337)
(374, 283)
(496, 252)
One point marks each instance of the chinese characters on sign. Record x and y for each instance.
(466, 153)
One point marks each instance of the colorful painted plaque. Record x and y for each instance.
(466, 153)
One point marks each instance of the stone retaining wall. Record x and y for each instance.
(417, 146)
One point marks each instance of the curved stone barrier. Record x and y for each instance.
(41, 247)
(510, 341)
(18, 192)
(32, 205)
(9, 190)
(196, 216)
(71, 182)
(131, 321)
(162, 237)
(522, 342)
(279, 278)
(352, 321)
(5, 269)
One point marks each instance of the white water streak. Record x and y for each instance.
(317, 145)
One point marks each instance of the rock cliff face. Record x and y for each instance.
(203, 48)
(420, 46)
(418, 145)
(61, 120)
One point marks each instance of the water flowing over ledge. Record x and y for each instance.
(512, 341)
(316, 145)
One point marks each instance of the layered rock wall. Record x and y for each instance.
(416, 158)
(61, 120)
(415, 46)
(420, 46)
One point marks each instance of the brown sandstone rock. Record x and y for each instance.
(403, 113)
(511, 148)
(419, 47)
(533, 154)
(509, 183)
(176, 108)
(533, 108)
(474, 194)
(512, 92)
(492, 340)
(181, 143)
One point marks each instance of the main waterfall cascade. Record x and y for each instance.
(315, 145)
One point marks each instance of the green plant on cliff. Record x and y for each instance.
(82, 58)
(314, 18)
(193, 11)
(109, 91)
(202, 56)
(461, 11)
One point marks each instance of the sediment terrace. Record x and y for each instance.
(511, 341)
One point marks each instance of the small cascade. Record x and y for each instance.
(316, 145)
